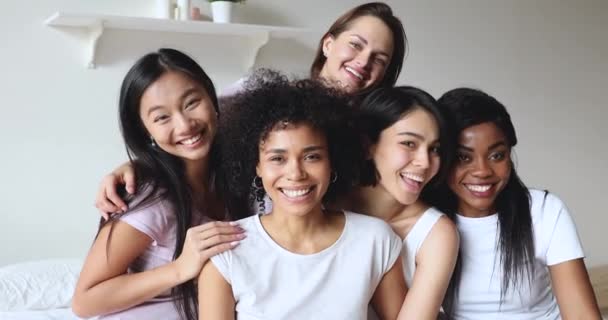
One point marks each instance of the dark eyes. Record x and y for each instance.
(463, 157)
(192, 103)
(409, 144)
(497, 156)
(356, 45)
(160, 118)
(308, 157)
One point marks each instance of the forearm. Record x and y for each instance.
(125, 291)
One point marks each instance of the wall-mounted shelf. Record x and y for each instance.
(258, 35)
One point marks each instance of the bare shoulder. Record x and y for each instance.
(442, 240)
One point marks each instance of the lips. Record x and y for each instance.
(295, 193)
(480, 190)
(412, 180)
(194, 140)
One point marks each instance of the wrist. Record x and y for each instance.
(177, 272)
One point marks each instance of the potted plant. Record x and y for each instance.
(221, 10)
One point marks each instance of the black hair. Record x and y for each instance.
(470, 107)
(383, 12)
(159, 173)
(385, 106)
(271, 99)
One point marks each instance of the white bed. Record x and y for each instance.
(38, 290)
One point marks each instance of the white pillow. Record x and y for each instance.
(38, 285)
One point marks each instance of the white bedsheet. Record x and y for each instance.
(54, 314)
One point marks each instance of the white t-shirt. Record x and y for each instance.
(555, 241)
(269, 282)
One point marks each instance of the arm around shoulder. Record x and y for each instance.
(435, 263)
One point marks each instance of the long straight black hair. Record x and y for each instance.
(161, 174)
(470, 107)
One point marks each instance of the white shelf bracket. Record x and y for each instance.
(95, 32)
(257, 41)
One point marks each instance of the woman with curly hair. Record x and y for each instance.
(301, 260)
(362, 50)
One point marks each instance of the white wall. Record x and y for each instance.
(545, 59)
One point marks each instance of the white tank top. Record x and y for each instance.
(414, 239)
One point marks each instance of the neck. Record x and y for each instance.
(475, 213)
(296, 228)
(197, 173)
(376, 202)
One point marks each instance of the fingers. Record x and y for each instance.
(215, 224)
(214, 237)
(129, 180)
(220, 248)
(111, 197)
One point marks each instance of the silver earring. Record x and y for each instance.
(334, 176)
(152, 142)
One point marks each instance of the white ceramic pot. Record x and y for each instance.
(222, 11)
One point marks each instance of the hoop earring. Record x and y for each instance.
(334, 176)
(257, 182)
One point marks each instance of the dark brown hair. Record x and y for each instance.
(374, 9)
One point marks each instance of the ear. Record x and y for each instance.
(257, 169)
(328, 41)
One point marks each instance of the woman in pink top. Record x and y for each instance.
(142, 263)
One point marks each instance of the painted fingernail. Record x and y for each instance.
(234, 243)
(233, 223)
(241, 236)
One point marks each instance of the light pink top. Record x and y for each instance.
(157, 220)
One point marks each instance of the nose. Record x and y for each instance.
(295, 170)
(183, 124)
(482, 169)
(363, 59)
(422, 158)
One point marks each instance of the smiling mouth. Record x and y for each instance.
(192, 140)
(478, 187)
(354, 72)
(296, 193)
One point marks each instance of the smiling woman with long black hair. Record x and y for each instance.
(520, 256)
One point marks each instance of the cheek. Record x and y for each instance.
(453, 179)
(435, 165)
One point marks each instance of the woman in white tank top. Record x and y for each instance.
(408, 149)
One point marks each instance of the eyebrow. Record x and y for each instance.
(412, 134)
(307, 149)
(492, 147)
(182, 97)
(365, 41)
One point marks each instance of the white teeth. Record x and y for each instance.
(478, 187)
(412, 176)
(192, 140)
(357, 74)
(295, 193)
